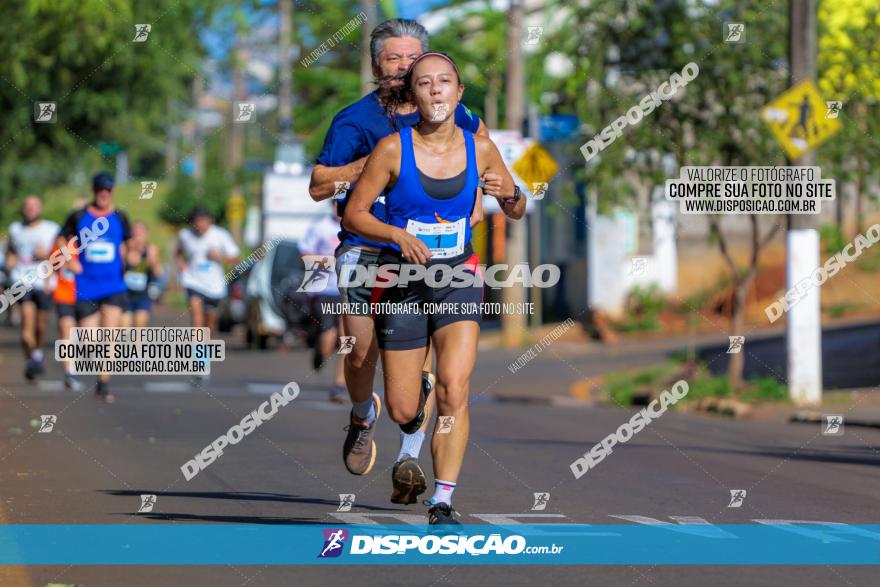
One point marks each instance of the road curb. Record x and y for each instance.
(813, 417)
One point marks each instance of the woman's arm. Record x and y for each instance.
(489, 160)
(378, 173)
(155, 260)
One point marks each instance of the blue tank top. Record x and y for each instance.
(102, 262)
(442, 224)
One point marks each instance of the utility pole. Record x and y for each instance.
(198, 145)
(513, 323)
(285, 122)
(170, 139)
(369, 9)
(804, 323)
(236, 139)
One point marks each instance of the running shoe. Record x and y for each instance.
(428, 381)
(30, 370)
(38, 367)
(442, 513)
(71, 383)
(408, 481)
(359, 450)
(201, 380)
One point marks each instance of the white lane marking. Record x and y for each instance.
(167, 386)
(264, 388)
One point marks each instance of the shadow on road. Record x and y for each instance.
(241, 496)
(170, 517)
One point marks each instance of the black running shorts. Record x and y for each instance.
(406, 317)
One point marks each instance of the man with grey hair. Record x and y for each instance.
(352, 135)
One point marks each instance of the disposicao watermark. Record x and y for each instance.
(821, 274)
(646, 105)
(251, 259)
(629, 429)
(539, 346)
(334, 39)
(55, 262)
(320, 267)
(264, 412)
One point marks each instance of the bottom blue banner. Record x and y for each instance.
(783, 543)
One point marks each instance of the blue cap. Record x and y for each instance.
(102, 181)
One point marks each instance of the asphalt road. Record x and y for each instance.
(849, 356)
(98, 460)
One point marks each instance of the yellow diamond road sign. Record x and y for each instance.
(798, 119)
(535, 165)
(235, 208)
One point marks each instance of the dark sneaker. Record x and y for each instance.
(408, 480)
(359, 450)
(442, 513)
(428, 381)
(39, 369)
(30, 370)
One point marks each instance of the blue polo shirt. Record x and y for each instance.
(353, 134)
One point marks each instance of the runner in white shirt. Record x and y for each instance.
(319, 243)
(30, 242)
(202, 250)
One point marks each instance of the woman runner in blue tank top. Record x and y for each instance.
(429, 174)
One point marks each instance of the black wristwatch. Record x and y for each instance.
(517, 193)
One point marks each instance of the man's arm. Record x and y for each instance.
(324, 178)
(10, 255)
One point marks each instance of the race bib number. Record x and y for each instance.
(444, 239)
(101, 252)
(135, 280)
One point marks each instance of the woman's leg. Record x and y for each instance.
(456, 347)
(403, 381)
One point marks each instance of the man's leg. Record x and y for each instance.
(360, 363)
(142, 318)
(338, 392)
(40, 336)
(90, 317)
(211, 319)
(65, 323)
(196, 311)
(28, 335)
(456, 346)
(110, 317)
(359, 449)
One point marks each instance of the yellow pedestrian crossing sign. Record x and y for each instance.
(799, 119)
(535, 165)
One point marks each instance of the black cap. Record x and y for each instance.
(102, 181)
